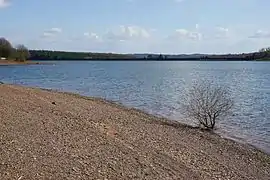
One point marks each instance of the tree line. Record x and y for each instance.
(21, 53)
(265, 52)
(262, 54)
(18, 53)
(62, 55)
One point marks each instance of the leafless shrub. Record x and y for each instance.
(265, 49)
(22, 53)
(206, 103)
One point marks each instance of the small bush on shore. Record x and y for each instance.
(21, 53)
(207, 103)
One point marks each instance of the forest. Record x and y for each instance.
(62, 55)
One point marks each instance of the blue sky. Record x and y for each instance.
(138, 26)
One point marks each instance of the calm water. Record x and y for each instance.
(157, 87)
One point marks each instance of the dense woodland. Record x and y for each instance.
(21, 53)
(61, 55)
(263, 54)
(243, 57)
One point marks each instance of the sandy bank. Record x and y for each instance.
(12, 62)
(45, 134)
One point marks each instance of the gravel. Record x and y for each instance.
(53, 135)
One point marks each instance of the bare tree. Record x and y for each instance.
(207, 103)
(22, 52)
(265, 49)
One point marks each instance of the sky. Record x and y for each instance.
(138, 26)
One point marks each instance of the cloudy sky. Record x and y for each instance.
(129, 26)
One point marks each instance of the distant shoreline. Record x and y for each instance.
(162, 60)
(47, 61)
(92, 56)
(13, 62)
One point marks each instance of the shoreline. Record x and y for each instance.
(158, 60)
(13, 62)
(159, 119)
(74, 128)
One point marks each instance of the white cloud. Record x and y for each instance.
(222, 32)
(136, 39)
(186, 34)
(4, 3)
(51, 32)
(46, 34)
(125, 33)
(91, 35)
(222, 29)
(178, 1)
(260, 34)
(54, 30)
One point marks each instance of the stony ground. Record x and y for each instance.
(13, 62)
(50, 135)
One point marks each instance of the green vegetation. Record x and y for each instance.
(264, 54)
(61, 55)
(265, 50)
(7, 51)
(5, 48)
(21, 53)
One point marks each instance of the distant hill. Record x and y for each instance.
(206, 57)
(62, 55)
(170, 56)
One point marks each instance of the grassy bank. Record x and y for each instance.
(47, 134)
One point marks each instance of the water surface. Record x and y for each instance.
(157, 87)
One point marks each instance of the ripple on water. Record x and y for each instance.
(158, 88)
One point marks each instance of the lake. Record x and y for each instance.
(157, 88)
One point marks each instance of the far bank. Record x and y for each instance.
(14, 62)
